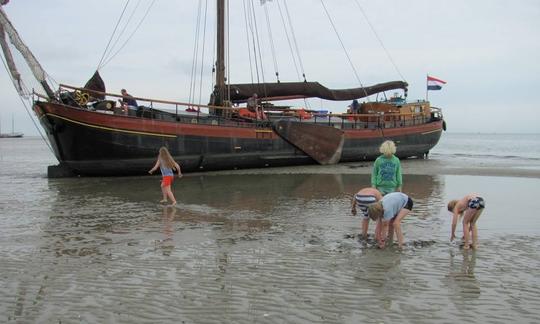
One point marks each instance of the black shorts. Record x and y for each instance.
(409, 204)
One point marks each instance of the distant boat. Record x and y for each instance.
(13, 134)
(91, 135)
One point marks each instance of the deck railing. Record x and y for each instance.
(152, 109)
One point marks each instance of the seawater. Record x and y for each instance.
(489, 146)
(254, 248)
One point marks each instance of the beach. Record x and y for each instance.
(275, 245)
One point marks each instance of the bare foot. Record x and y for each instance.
(163, 201)
(466, 247)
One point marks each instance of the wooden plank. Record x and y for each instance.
(322, 143)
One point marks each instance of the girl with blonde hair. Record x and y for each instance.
(386, 174)
(167, 165)
(470, 208)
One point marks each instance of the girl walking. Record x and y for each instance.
(167, 165)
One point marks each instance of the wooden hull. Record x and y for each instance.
(95, 144)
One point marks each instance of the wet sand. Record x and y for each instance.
(262, 246)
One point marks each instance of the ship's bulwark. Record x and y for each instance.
(96, 144)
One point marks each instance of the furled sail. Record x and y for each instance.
(96, 84)
(295, 90)
(32, 62)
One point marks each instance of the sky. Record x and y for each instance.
(488, 52)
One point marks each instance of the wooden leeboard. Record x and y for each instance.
(322, 143)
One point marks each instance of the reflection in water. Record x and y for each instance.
(265, 244)
(167, 243)
(462, 280)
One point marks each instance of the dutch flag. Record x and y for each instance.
(434, 83)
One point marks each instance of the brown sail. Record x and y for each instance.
(295, 90)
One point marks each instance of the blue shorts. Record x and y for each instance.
(477, 203)
(363, 201)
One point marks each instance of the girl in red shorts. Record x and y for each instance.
(167, 165)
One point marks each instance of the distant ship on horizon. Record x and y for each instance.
(13, 134)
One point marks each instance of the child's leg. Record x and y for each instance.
(475, 228)
(365, 226)
(378, 230)
(390, 233)
(468, 216)
(170, 195)
(164, 193)
(397, 225)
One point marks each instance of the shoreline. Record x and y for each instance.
(431, 166)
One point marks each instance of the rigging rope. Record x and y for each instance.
(288, 39)
(123, 30)
(202, 53)
(23, 101)
(133, 33)
(258, 48)
(272, 47)
(294, 40)
(380, 41)
(112, 36)
(194, 63)
(248, 42)
(343, 46)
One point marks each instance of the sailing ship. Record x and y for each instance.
(93, 135)
(13, 133)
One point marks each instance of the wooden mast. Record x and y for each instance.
(219, 91)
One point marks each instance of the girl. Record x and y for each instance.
(470, 208)
(390, 211)
(167, 165)
(386, 174)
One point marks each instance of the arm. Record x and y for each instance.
(178, 169)
(353, 206)
(384, 232)
(375, 173)
(399, 177)
(154, 168)
(455, 217)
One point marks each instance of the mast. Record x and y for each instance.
(220, 62)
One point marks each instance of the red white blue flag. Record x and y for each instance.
(434, 83)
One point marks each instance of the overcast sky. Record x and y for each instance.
(487, 50)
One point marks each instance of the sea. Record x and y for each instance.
(266, 246)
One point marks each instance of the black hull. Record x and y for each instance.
(86, 144)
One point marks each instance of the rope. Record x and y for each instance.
(202, 53)
(228, 51)
(294, 40)
(379, 39)
(123, 30)
(114, 32)
(133, 33)
(195, 56)
(272, 47)
(23, 101)
(246, 13)
(343, 46)
(288, 39)
(259, 52)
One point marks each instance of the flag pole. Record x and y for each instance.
(427, 87)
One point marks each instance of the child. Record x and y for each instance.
(363, 199)
(392, 208)
(386, 174)
(167, 165)
(470, 207)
